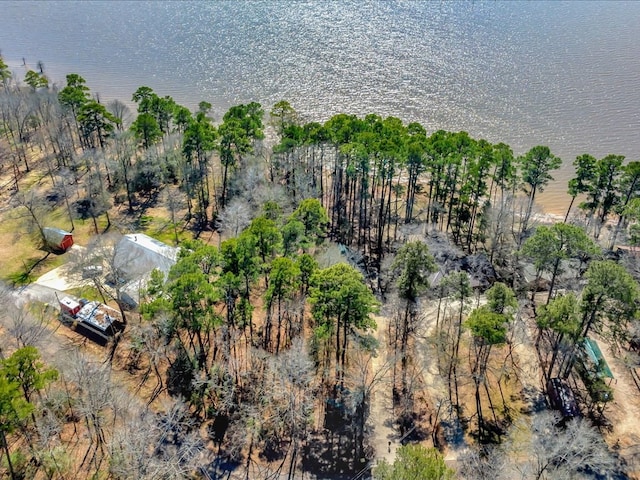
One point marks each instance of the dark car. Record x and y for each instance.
(561, 398)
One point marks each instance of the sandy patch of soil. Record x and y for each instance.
(624, 414)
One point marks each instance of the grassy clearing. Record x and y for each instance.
(89, 292)
(18, 253)
(22, 259)
(32, 179)
(32, 267)
(165, 232)
(157, 224)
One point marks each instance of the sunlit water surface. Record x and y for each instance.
(560, 74)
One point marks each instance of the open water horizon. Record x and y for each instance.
(562, 74)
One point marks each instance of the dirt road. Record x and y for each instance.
(385, 437)
(623, 413)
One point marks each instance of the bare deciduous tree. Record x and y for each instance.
(486, 463)
(121, 112)
(235, 217)
(149, 446)
(292, 397)
(546, 450)
(95, 400)
(36, 210)
(27, 326)
(175, 202)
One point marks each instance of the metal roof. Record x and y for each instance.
(98, 315)
(54, 235)
(138, 254)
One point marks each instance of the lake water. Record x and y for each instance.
(561, 74)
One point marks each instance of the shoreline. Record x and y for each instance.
(553, 201)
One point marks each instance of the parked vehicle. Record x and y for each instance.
(92, 319)
(561, 398)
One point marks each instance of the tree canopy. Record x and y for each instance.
(413, 462)
(413, 264)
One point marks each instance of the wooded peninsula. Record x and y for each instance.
(352, 299)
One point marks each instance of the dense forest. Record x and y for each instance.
(331, 277)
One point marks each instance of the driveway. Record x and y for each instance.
(66, 276)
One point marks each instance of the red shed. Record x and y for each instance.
(57, 239)
(69, 306)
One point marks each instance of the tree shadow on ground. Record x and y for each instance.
(220, 468)
(24, 276)
(329, 457)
